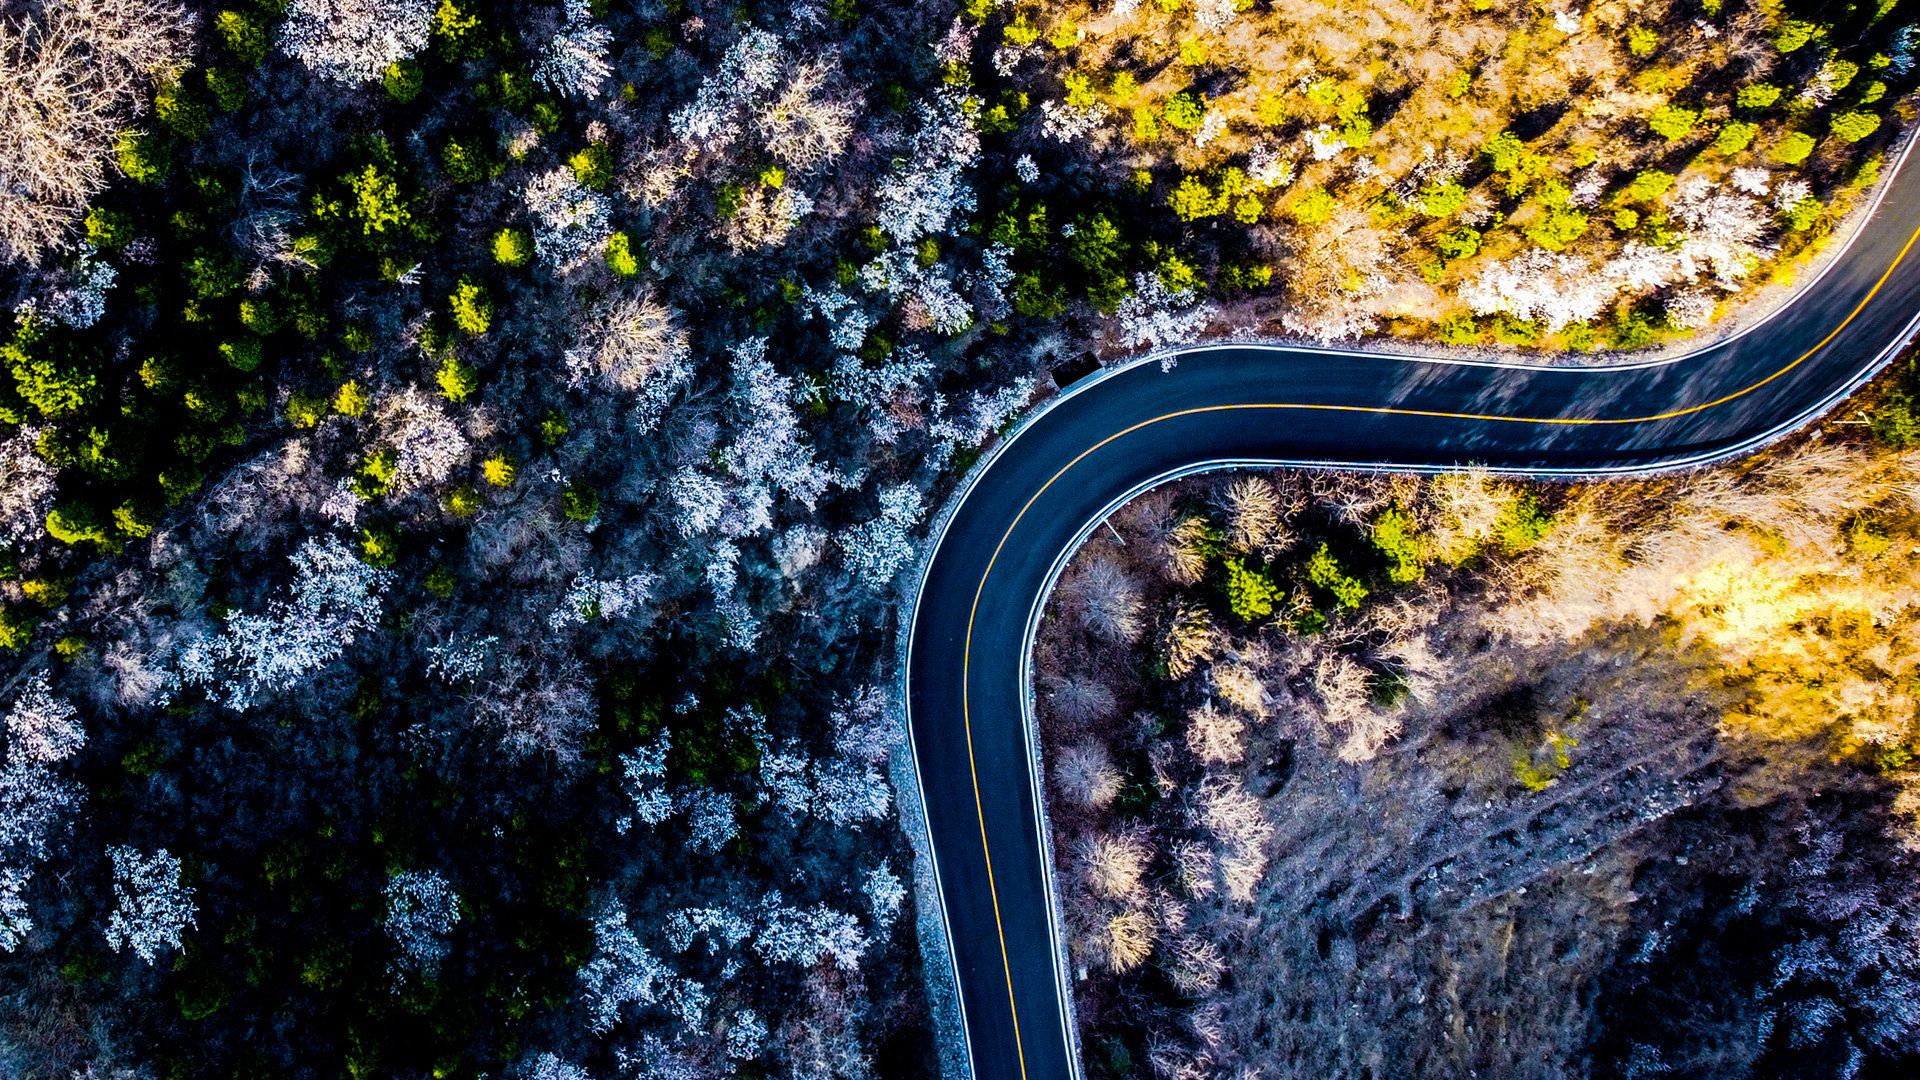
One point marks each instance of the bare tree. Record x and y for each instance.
(1112, 864)
(1085, 776)
(1109, 602)
(1189, 640)
(1216, 736)
(1080, 699)
(1254, 519)
(73, 75)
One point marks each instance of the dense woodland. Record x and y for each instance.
(459, 460)
(1445, 776)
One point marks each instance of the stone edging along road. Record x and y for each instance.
(1021, 513)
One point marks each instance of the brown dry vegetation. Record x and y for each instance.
(1420, 840)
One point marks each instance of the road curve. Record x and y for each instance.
(996, 556)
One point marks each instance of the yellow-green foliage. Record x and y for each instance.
(472, 308)
(499, 470)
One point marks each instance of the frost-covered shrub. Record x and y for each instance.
(42, 731)
(355, 41)
(151, 908)
(1689, 309)
(333, 598)
(1066, 123)
(80, 296)
(745, 1035)
(422, 909)
(549, 1067)
(720, 927)
(462, 659)
(1539, 285)
(570, 223)
(573, 63)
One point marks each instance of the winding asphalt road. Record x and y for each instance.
(1044, 489)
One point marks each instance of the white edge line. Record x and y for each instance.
(967, 484)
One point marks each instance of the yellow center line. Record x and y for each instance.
(966, 664)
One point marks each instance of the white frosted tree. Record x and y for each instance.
(747, 71)
(42, 731)
(26, 485)
(1153, 315)
(427, 444)
(355, 41)
(643, 775)
(622, 972)
(769, 453)
(929, 185)
(877, 550)
(710, 820)
(573, 63)
(151, 907)
(864, 726)
(885, 893)
(848, 792)
(807, 936)
(551, 1067)
(334, 597)
(590, 599)
(625, 976)
(570, 223)
(422, 910)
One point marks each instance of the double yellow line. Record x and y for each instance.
(966, 717)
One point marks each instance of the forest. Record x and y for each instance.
(461, 462)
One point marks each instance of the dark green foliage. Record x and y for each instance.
(243, 36)
(403, 81)
(1894, 423)
(579, 502)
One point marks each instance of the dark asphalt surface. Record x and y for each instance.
(965, 666)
